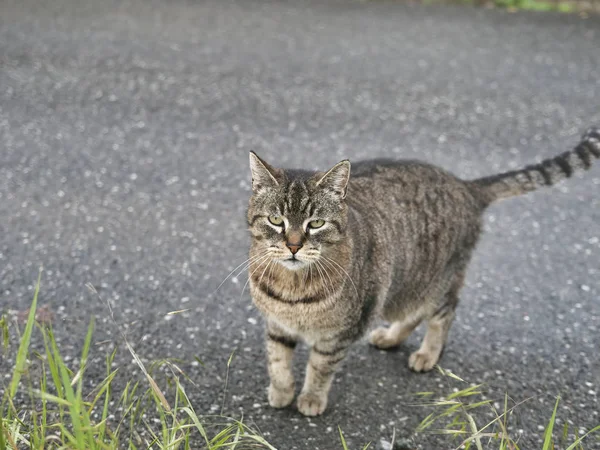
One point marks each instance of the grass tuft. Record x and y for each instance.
(63, 416)
(453, 415)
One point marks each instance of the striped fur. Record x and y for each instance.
(546, 173)
(394, 240)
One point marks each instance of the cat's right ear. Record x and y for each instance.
(263, 175)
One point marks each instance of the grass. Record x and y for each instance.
(453, 415)
(61, 416)
(536, 5)
(567, 6)
(45, 406)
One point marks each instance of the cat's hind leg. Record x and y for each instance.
(395, 334)
(438, 326)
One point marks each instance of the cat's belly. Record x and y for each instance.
(416, 299)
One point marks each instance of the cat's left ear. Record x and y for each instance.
(336, 180)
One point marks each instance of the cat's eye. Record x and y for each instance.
(316, 223)
(276, 220)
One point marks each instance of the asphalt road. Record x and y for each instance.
(125, 128)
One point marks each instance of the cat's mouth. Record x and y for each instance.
(292, 263)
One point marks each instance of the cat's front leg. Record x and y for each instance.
(322, 363)
(280, 351)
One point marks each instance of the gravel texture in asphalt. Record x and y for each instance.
(125, 128)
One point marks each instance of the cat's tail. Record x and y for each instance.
(546, 173)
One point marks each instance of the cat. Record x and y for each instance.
(330, 251)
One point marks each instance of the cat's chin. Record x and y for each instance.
(292, 264)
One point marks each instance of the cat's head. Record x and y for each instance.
(296, 217)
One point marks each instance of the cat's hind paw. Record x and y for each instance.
(380, 338)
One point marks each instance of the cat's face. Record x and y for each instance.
(296, 217)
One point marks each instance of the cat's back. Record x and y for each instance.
(405, 180)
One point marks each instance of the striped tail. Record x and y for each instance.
(546, 173)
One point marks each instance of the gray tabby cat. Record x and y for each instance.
(331, 251)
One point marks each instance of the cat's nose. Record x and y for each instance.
(294, 246)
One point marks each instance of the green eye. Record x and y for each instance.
(276, 220)
(316, 223)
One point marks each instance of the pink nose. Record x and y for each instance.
(294, 247)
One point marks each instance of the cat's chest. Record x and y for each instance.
(307, 317)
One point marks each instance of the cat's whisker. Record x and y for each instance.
(305, 275)
(260, 262)
(231, 273)
(250, 276)
(327, 273)
(271, 272)
(265, 255)
(263, 273)
(336, 269)
(325, 258)
(322, 279)
(332, 291)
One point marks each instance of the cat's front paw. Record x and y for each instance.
(280, 398)
(311, 404)
(423, 361)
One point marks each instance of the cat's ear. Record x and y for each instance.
(263, 175)
(336, 180)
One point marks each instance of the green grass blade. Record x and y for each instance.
(578, 441)
(75, 406)
(343, 439)
(106, 390)
(190, 412)
(449, 374)
(102, 388)
(236, 438)
(505, 422)
(5, 335)
(473, 390)
(565, 434)
(2, 442)
(85, 418)
(69, 438)
(475, 431)
(44, 388)
(424, 394)
(220, 440)
(49, 337)
(50, 398)
(426, 422)
(25, 340)
(550, 427)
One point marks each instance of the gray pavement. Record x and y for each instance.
(125, 128)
